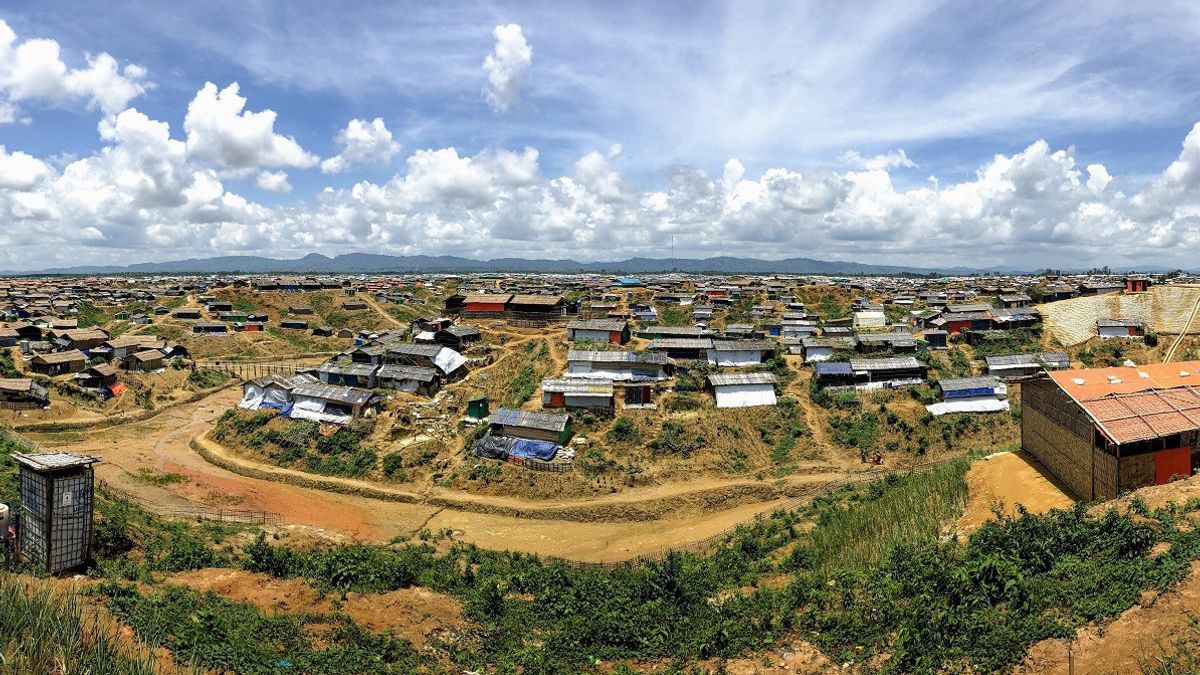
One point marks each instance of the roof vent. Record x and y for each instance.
(1184, 373)
(1129, 364)
(1143, 374)
(1077, 380)
(1114, 380)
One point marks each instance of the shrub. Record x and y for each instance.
(624, 431)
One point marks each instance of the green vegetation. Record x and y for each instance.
(206, 378)
(535, 355)
(899, 510)
(216, 634)
(624, 430)
(298, 443)
(1000, 342)
(1104, 353)
(7, 367)
(90, 315)
(149, 476)
(43, 631)
(675, 315)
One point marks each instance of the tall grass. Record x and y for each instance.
(900, 510)
(43, 631)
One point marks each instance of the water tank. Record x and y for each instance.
(5, 520)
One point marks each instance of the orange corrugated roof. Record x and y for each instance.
(1139, 416)
(1097, 382)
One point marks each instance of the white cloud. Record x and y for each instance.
(273, 181)
(362, 142)
(888, 160)
(147, 195)
(506, 67)
(221, 133)
(33, 71)
(21, 172)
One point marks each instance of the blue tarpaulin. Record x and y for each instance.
(543, 450)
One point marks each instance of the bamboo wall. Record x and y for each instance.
(1060, 435)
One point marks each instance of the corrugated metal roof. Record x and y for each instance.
(54, 460)
(682, 343)
(1050, 358)
(336, 393)
(617, 357)
(418, 373)
(743, 345)
(545, 421)
(960, 383)
(890, 363)
(598, 324)
(578, 386)
(1139, 416)
(728, 379)
(1089, 383)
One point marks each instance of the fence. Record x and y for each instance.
(249, 371)
(538, 465)
(805, 494)
(199, 511)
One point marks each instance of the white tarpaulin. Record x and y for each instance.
(449, 360)
(308, 408)
(730, 359)
(252, 396)
(744, 395)
(970, 405)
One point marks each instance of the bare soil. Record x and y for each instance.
(1005, 481)
(415, 614)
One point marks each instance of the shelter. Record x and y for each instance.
(538, 426)
(577, 393)
(734, 353)
(59, 363)
(331, 403)
(348, 374)
(1020, 365)
(611, 331)
(1119, 328)
(970, 394)
(619, 366)
(22, 394)
(446, 360)
(743, 390)
(145, 361)
(888, 372)
(1105, 431)
(413, 379)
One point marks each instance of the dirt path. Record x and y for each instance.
(1005, 481)
(1183, 333)
(366, 297)
(162, 445)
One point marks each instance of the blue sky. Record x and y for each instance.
(864, 131)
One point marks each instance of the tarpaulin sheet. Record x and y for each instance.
(543, 450)
(494, 447)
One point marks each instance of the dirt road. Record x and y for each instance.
(134, 453)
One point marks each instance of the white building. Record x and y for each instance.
(743, 390)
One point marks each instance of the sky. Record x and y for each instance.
(1015, 135)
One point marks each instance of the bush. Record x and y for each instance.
(624, 431)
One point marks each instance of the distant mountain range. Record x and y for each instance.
(367, 263)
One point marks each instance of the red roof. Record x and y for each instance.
(1141, 416)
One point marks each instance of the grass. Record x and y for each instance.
(42, 631)
(902, 510)
(151, 477)
(529, 375)
(223, 636)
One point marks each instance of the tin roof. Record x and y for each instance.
(617, 357)
(729, 379)
(598, 324)
(1087, 383)
(961, 383)
(1050, 358)
(51, 461)
(890, 363)
(333, 392)
(534, 420)
(1139, 416)
(578, 386)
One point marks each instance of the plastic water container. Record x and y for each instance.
(5, 520)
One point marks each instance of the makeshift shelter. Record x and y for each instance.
(743, 390)
(619, 366)
(970, 394)
(538, 426)
(331, 403)
(412, 379)
(577, 393)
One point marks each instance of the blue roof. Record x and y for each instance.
(832, 368)
(543, 450)
(628, 280)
